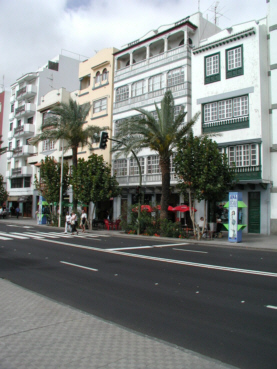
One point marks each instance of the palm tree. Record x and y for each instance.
(160, 135)
(66, 123)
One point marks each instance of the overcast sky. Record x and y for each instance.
(34, 31)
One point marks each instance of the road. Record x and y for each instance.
(218, 301)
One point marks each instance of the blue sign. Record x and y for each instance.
(233, 234)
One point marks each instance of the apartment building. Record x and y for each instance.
(96, 77)
(144, 70)
(4, 117)
(26, 94)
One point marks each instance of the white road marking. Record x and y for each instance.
(170, 261)
(271, 307)
(5, 238)
(32, 235)
(200, 252)
(79, 266)
(14, 235)
(146, 247)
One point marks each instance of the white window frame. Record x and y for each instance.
(133, 166)
(138, 88)
(120, 167)
(234, 58)
(176, 76)
(153, 164)
(99, 105)
(155, 83)
(243, 155)
(212, 65)
(226, 109)
(122, 93)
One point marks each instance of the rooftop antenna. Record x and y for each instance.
(198, 5)
(215, 9)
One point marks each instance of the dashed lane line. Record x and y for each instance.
(79, 266)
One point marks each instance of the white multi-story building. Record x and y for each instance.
(26, 94)
(230, 76)
(4, 117)
(144, 70)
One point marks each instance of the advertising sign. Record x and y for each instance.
(233, 234)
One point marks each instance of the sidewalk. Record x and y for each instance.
(38, 333)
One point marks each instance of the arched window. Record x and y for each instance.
(105, 75)
(98, 77)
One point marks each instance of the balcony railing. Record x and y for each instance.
(226, 124)
(248, 173)
(24, 130)
(25, 110)
(180, 52)
(16, 171)
(146, 179)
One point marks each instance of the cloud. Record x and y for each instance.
(35, 31)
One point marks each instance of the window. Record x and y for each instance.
(134, 169)
(105, 75)
(48, 145)
(18, 143)
(98, 77)
(12, 108)
(226, 109)
(138, 88)
(234, 62)
(153, 165)
(16, 182)
(243, 155)
(100, 105)
(155, 83)
(120, 167)
(175, 77)
(11, 126)
(27, 182)
(10, 146)
(122, 93)
(19, 123)
(30, 120)
(212, 68)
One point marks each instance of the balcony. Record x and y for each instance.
(24, 150)
(156, 61)
(248, 173)
(12, 99)
(226, 125)
(19, 172)
(10, 135)
(26, 129)
(9, 155)
(25, 110)
(147, 179)
(26, 92)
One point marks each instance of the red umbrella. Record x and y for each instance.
(183, 208)
(147, 208)
(158, 207)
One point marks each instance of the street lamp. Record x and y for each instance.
(61, 190)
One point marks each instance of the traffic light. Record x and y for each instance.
(103, 140)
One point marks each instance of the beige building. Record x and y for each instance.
(96, 87)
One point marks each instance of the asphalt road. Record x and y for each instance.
(220, 302)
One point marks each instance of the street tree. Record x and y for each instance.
(3, 193)
(49, 181)
(92, 181)
(203, 171)
(159, 131)
(66, 123)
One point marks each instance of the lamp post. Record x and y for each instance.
(61, 190)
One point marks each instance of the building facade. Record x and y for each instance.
(144, 70)
(26, 94)
(4, 117)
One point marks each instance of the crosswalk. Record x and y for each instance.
(8, 236)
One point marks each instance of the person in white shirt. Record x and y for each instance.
(83, 220)
(74, 223)
(67, 223)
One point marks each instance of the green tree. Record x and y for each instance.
(49, 179)
(92, 180)
(203, 171)
(160, 134)
(67, 124)
(3, 193)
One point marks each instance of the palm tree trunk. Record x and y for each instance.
(165, 169)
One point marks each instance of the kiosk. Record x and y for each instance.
(235, 226)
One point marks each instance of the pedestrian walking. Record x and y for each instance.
(83, 221)
(74, 223)
(17, 211)
(67, 223)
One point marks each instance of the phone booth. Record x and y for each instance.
(235, 226)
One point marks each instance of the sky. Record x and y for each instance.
(34, 31)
